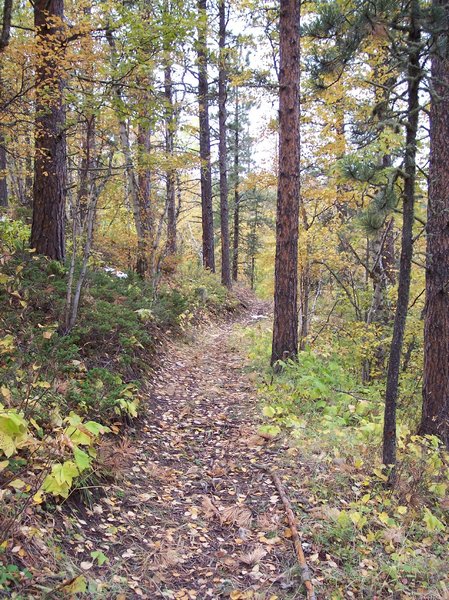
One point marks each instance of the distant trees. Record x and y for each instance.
(114, 108)
(285, 326)
(394, 64)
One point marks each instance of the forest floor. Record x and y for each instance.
(192, 516)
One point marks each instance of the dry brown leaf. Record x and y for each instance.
(255, 440)
(254, 557)
(166, 557)
(209, 509)
(236, 515)
(394, 535)
(444, 503)
(266, 521)
(326, 513)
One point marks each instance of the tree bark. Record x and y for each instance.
(86, 167)
(4, 42)
(285, 328)
(304, 288)
(6, 24)
(236, 233)
(435, 410)
(222, 149)
(3, 170)
(203, 109)
(146, 252)
(170, 183)
(252, 247)
(391, 393)
(49, 192)
(170, 129)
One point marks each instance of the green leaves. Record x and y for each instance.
(84, 434)
(76, 586)
(60, 480)
(100, 557)
(128, 406)
(268, 411)
(7, 344)
(145, 314)
(13, 431)
(82, 459)
(431, 522)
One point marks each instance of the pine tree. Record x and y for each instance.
(4, 41)
(285, 327)
(170, 125)
(49, 194)
(435, 411)
(223, 160)
(203, 108)
(414, 76)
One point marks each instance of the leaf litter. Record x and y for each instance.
(187, 514)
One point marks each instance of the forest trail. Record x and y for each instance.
(194, 518)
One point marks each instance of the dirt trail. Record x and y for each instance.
(194, 518)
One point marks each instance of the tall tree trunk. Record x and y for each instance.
(391, 393)
(170, 128)
(145, 259)
(252, 247)
(236, 234)
(305, 282)
(207, 216)
(170, 183)
(28, 184)
(3, 170)
(285, 328)
(6, 24)
(83, 223)
(4, 42)
(49, 193)
(304, 298)
(86, 168)
(435, 413)
(222, 149)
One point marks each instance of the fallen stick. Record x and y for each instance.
(305, 573)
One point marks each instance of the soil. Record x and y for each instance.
(191, 515)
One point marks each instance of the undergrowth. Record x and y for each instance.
(367, 541)
(62, 396)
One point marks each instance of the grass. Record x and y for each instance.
(366, 541)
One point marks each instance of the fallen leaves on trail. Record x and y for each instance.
(188, 517)
(249, 595)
